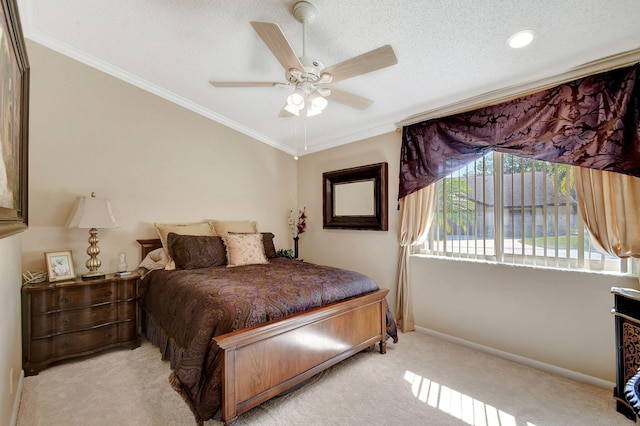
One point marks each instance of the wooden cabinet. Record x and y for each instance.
(627, 324)
(75, 318)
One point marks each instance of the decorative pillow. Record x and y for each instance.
(244, 249)
(201, 228)
(196, 251)
(269, 247)
(222, 227)
(267, 243)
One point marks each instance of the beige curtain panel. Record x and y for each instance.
(416, 215)
(610, 207)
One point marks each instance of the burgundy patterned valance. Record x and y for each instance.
(591, 122)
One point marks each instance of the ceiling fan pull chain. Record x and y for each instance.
(305, 133)
(295, 137)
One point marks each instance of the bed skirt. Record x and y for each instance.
(169, 350)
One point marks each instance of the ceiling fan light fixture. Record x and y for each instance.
(305, 73)
(311, 111)
(296, 100)
(318, 102)
(292, 110)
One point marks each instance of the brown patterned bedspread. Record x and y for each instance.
(193, 306)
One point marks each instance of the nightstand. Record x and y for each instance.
(74, 318)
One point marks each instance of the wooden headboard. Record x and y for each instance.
(147, 246)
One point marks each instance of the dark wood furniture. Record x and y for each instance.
(74, 318)
(262, 361)
(627, 325)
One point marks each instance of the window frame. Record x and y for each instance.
(581, 263)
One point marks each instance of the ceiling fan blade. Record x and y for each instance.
(349, 99)
(247, 84)
(373, 60)
(275, 40)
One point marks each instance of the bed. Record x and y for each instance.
(273, 326)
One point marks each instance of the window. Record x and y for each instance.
(514, 210)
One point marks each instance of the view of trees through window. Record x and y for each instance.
(514, 210)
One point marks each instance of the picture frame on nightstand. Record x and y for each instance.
(60, 266)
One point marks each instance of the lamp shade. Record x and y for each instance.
(92, 212)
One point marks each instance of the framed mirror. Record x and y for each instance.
(356, 198)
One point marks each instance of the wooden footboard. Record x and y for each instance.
(263, 361)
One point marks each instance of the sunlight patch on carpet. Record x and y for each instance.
(457, 404)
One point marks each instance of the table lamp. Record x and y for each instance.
(92, 213)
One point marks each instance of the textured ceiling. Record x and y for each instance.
(448, 51)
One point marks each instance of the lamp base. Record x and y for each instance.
(93, 275)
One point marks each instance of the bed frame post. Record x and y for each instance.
(229, 405)
(383, 326)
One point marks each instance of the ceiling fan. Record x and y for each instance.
(307, 76)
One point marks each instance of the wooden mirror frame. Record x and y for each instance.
(377, 222)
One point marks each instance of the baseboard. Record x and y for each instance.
(549, 368)
(16, 401)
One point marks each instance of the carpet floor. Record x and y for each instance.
(422, 380)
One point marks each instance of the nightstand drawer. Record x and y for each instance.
(73, 297)
(77, 297)
(47, 325)
(73, 343)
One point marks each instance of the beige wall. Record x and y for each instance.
(373, 253)
(560, 318)
(10, 331)
(155, 161)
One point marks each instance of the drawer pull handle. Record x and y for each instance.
(65, 299)
(110, 310)
(66, 321)
(107, 336)
(108, 293)
(65, 344)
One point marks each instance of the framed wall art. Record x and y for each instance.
(14, 126)
(60, 266)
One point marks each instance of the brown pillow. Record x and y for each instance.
(269, 247)
(202, 228)
(196, 251)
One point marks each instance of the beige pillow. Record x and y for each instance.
(222, 227)
(244, 249)
(200, 228)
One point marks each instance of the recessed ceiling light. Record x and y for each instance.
(521, 39)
